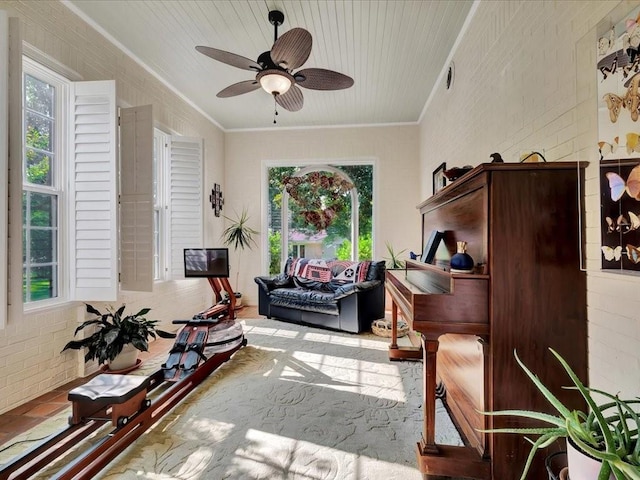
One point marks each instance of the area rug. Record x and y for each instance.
(295, 403)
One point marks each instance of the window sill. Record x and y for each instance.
(49, 305)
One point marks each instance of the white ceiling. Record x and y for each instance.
(394, 50)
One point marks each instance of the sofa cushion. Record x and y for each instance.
(377, 270)
(313, 284)
(305, 299)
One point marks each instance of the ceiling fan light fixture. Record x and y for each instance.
(275, 82)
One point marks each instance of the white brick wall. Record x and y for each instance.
(30, 359)
(525, 79)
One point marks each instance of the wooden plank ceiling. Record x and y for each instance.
(394, 50)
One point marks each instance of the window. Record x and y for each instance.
(160, 200)
(71, 238)
(69, 201)
(323, 211)
(298, 251)
(44, 96)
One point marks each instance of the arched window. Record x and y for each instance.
(320, 211)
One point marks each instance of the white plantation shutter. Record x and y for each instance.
(136, 199)
(185, 188)
(92, 195)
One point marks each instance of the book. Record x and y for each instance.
(431, 246)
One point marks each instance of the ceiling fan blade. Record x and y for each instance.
(238, 89)
(292, 100)
(229, 58)
(322, 79)
(292, 49)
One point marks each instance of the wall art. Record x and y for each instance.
(618, 72)
(216, 199)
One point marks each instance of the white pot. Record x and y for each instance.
(582, 466)
(125, 359)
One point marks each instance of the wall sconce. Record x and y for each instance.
(216, 199)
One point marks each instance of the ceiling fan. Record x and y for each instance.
(275, 68)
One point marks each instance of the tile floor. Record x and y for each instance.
(31, 413)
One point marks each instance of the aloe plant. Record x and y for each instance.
(608, 432)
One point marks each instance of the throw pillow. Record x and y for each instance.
(349, 272)
(313, 269)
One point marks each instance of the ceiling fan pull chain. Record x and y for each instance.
(275, 108)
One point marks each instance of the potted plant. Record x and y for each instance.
(239, 235)
(114, 333)
(393, 260)
(608, 432)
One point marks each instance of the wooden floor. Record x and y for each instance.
(31, 413)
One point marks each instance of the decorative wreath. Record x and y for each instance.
(319, 196)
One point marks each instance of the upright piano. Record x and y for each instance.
(527, 293)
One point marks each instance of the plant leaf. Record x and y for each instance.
(551, 398)
(608, 438)
(545, 417)
(111, 336)
(142, 312)
(91, 309)
(543, 440)
(163, 334)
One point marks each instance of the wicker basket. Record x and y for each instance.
(382, 328)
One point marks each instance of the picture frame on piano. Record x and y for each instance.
(431, 246)
(439, 179)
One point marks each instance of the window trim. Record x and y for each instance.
(4, 164)
(59, 185)
(161, 165)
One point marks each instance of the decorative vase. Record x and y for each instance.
(461, 262)
(127, 358)
(582, 466)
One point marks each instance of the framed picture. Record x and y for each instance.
(439, 180)
(619, 215)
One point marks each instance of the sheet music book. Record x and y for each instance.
(432, 245)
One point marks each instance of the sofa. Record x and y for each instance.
(338, 295)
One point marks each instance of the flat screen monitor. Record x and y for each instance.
(206, 262)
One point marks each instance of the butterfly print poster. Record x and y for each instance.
(618, 72)
(620, 212)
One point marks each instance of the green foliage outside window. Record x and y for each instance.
(364, 249)
(275, 247)
(38, 164)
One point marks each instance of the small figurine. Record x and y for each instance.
(496, 158)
